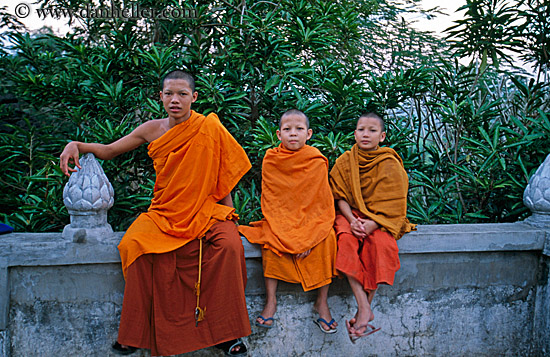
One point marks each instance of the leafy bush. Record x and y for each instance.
(470, 135)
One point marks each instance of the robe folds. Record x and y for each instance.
(372, 260)
(298, 211)
(376, 184)
(159, 298)
(197, 164)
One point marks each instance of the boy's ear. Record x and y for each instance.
(382, 136)
(309, 133)
(195, 96)
(279, 135)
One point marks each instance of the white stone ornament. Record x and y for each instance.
(88, 196)
(537, 195)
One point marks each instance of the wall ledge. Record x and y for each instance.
(38, 249)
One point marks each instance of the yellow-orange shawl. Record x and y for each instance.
(197, 163)
(376, 184)
(297, 202)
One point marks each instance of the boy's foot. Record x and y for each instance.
(264, 322)
(325, 320)
(265, 319)
(358, 325)
(367, 330)
(324, 324)
(234, 347)
(122, 349)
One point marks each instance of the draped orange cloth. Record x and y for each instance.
(298, 211)
(376, 184)
(197, 164)
(372, 260)
(159, 296)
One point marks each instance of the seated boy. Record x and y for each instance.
(370, 186)
(296, 234)
(197, 163)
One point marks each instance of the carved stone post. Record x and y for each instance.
(88, 195)
(537, 196)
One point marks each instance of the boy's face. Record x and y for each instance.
(294, 132)
(369, 133)
(177, 97)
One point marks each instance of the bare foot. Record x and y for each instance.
(268, 312)
(321, 307)
(358, 324)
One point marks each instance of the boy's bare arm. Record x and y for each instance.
(345, 208)
(227, 201)
(131, 141)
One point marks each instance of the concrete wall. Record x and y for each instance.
(461, 289)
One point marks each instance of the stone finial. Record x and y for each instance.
(537, 195)
(88, 195)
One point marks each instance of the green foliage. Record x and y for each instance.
(470, 136)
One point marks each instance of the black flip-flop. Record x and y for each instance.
(124, 351)
(227, 347)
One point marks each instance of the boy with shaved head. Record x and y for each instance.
(183, 259)
(296, 234)
(370, 186)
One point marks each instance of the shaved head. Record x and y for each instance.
(294, 112)
(179, 74)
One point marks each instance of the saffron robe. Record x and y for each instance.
(375, 184)
(298, 211)
(159, 298)
(197, 164)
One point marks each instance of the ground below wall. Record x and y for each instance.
(486, 298)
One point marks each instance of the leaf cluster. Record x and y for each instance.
(470, 136)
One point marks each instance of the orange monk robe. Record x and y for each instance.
(298, 211)
(376, 184)
(197, 163)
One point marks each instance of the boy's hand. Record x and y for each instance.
(369, 226)
(304, 254)
(69, 155)
(357, 228)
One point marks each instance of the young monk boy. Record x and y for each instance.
(370, 186)
(296, 234)
(183, 259)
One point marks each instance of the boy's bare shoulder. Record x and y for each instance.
(152, 129)
(155, 123)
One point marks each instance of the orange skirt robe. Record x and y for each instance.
(298, 211)
(375, 184)
(197, 164)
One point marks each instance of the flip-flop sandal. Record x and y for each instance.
(227, 347)
(354, 337)
(124, 351)
(264, 322)
(318, 323)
